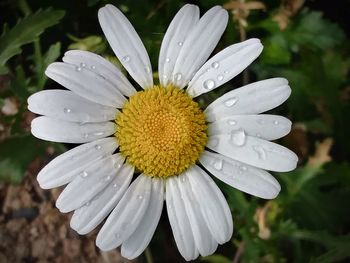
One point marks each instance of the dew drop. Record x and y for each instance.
(243, 168)
(167, 60)
(117, 165)
(183, 179)
(177, 76)
(209, 84)
(85, 135)
(93, 67)
(84, 174)
(98, 147)
(148, 69)
(140, 197)
(88, 203)
(126, 59)
(98, 133)
(238, 137)
(115, 185)
(258, 135)
(231, 122)
(218, 164)
(78, 68)
(180, 43)
(66, 110)
(230, 102)
(82, 64)
(165, 77)
(220, 77)
(276, 122)
(107, 178)
(260, 151)
(215, 65)
(226, 72)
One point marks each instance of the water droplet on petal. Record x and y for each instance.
(88, 203)
(98, 147)
(220, 77)
(84, 174)
(180, 43)
(215, 65)
(82, 64)
(126, 59)
(98, 133)
(66, 110)
(260, 151)
(115, 185)
(165, 77)
(140, 197)
(148, 69)
(218, 164)
(276, 122)
(258, 135)
(243, 168)
(238, 137)
(230, 102)
(107, 178)
(177, 76)
(231, 122)
(167, 60)
(183, 179)
(226, 72)
(209, 84)
(78, 68)
(85, 135)
(93, 67)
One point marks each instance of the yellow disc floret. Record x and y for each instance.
(161, 131)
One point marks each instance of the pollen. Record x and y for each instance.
(161, 131)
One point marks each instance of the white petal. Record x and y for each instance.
(86, 83)
(199, 44)
(139, 240)
(87, 217)
(254, 151)
(224, 66)
(179, 221)
(177, 32)
(250, 99)
(89, 183)
(212, 204)
(102, 67)
(49, 129)
(126, 44)
(127, 216)
(264, 126)
(65, 167)
(244, 177)
(67, 106)
(204, 241)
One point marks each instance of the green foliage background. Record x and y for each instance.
(310, 220)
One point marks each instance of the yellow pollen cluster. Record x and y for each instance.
(161, 131)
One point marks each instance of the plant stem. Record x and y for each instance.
(148, 254)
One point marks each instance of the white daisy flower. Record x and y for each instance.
(161, 134)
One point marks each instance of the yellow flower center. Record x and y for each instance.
(161, 131)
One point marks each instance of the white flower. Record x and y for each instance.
(162, 133)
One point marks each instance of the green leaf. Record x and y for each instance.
(16, 154)
(25, 31)
(50, 56)
(316, 32)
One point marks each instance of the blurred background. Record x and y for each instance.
(305, 41)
